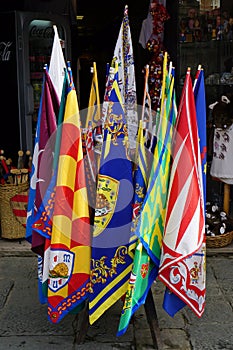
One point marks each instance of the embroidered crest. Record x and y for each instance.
(60, 269)
(101, 269)
(144, 270)
(189, 277)
(106, 198)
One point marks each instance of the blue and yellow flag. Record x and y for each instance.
(111, 260)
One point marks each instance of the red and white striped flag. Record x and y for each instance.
(182, 264)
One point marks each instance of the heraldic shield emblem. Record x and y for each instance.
(60, 268)
(106, 198)
(18, 205)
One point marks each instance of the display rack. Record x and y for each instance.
(151, 316)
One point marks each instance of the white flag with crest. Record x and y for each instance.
(123, 55)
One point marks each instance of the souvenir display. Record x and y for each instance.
(14, 195)
(218, 227)
(156, 49)
(114, 203)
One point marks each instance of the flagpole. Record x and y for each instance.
(152, 320)
(226, 198)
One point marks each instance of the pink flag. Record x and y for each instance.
(182, 264)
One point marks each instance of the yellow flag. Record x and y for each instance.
(93, 113)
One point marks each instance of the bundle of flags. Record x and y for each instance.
(106, 227)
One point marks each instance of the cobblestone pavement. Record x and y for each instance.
(24, 324)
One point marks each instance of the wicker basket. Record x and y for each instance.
(219, 241)
(11, 228)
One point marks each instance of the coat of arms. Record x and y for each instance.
(106, 198)
(144, 270)
(60, 269)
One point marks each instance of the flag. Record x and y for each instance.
(90, 162)
(41, 171)
(143, 273)
(55, 78)
(148, 123)
(43, 154)
(53, 83)
(140, 177)
(42, 222)
(123, 55)
(111, 76)
(93, 112)
(172, 303)
(182, 265)
(69, 260)
(140, 180)
(111, 260)
(141, 262)
(146, 105)
(57, 64)
(150, 221)
(91, 153)
(200, 103)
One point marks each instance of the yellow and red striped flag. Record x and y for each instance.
(69, 265)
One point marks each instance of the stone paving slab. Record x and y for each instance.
(214, 337)
(53, 342)
(5, 288)
(15, 247)
(22, 313)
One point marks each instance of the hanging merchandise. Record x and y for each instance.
(221, 164)
(156, 50)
